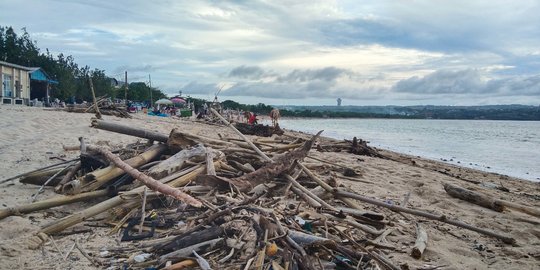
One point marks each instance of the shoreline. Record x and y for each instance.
(464, 158)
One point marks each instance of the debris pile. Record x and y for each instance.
(183, 200)
(106, 107)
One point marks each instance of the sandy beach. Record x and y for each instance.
(31, 138)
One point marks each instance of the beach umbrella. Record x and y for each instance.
(164, 101)
(178, 100)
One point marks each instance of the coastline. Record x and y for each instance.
(33, 138)
(427, 138)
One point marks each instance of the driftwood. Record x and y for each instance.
(36, 170)
(40, 177)
(187, 251)
(258, 129)
(48, 181)
(442, 218)
(281, 164)
(522, 208)
(98, 178)
(360, 147)
(78, 217)
(68, 176)
(421, 242)
(256, 226)
(176, 162)
(473, 197)
(488, 202)
(127, 130)
(147, 180)
(179, 139)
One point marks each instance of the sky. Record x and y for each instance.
(385, 52)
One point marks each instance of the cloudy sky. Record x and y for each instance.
(461, 52)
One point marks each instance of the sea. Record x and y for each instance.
(506, 147)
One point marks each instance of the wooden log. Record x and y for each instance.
(100, 177)
(128, 130)
(176, 162)
(147, 180)
(421, 242)
(134, 194)
(441, 218)
(473, 197)
(50, 203)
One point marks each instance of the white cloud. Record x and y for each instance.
(382, 51)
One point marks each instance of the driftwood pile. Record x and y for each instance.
(258, 129)
(106, 107)
(182, 200)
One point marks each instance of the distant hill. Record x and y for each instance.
(488, 112)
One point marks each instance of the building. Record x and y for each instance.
(21, 84)
(40, 84)
(15, 84)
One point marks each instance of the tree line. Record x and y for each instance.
(72, 78)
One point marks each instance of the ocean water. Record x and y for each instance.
(506, 147)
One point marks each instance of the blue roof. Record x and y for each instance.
(38, 74)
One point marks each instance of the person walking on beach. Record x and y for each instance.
(253, 119)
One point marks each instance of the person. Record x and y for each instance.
(253, 119)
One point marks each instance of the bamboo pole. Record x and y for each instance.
(50, 203)
(98, 113)
(442, 218)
